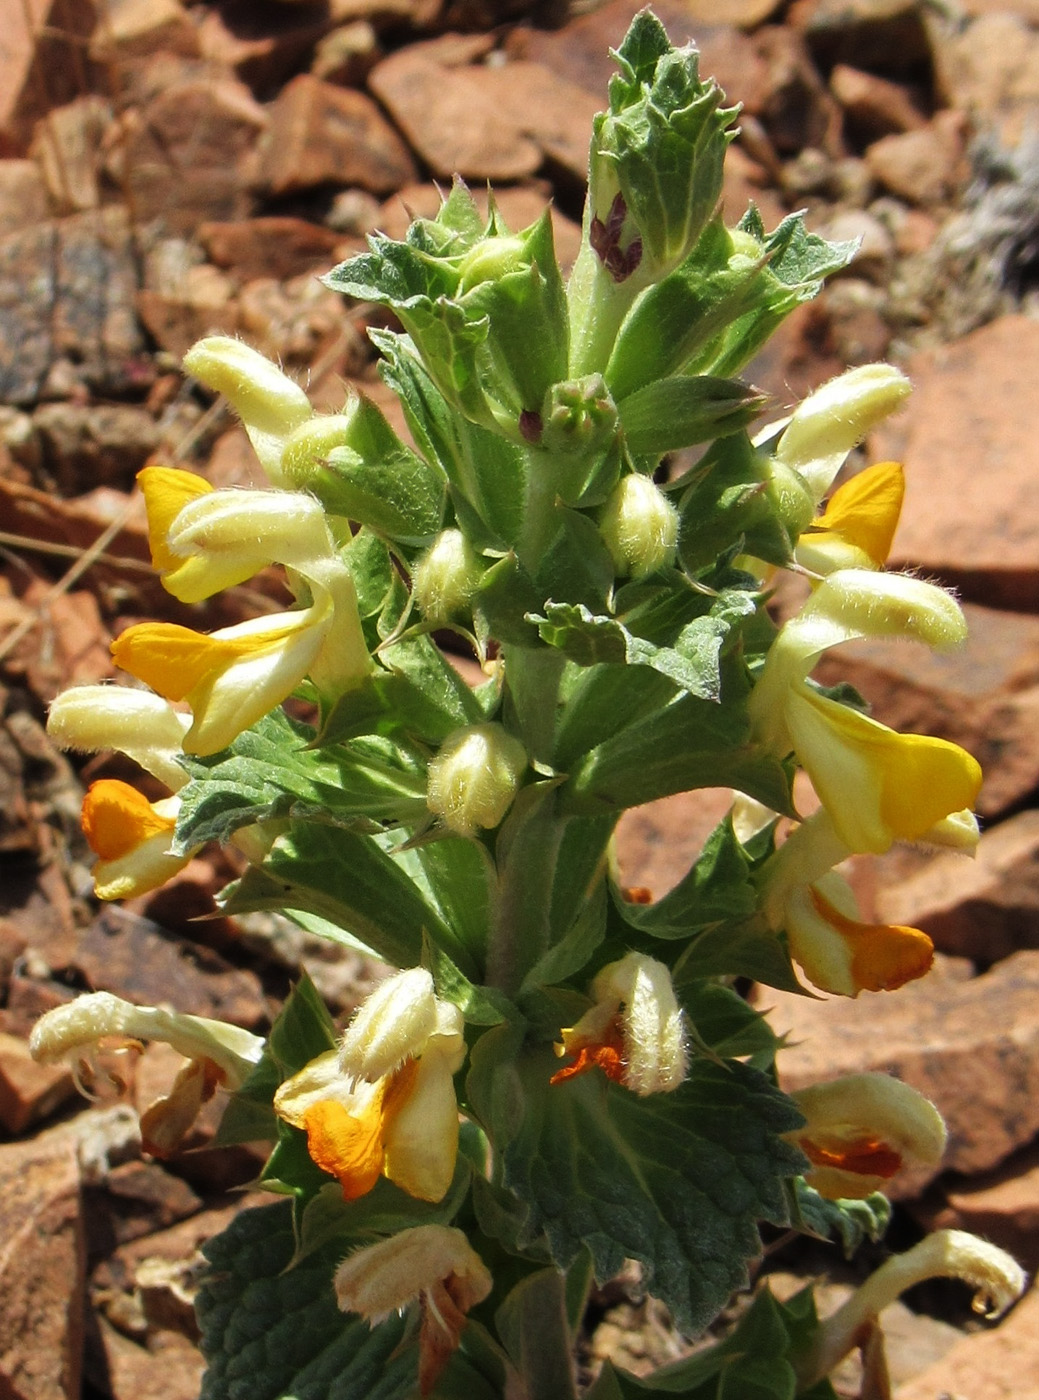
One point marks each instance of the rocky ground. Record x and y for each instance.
(169, 169)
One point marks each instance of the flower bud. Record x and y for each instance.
(829, 423)
(863, 1128)
(268, 402)
(639, 527)
(143, 726)
(393, 1023)
(475, 776)
(431, 1264)
(446, 577)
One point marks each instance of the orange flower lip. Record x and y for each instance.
(117, 819)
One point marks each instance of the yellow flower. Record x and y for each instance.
(839, 953)
(217, 1054)
(434, 1265)
(132, 839)
(205, 540)
(384, 1103)
(877, 786)
(857, 528)
(863, 1128)
(634, 1032)
(143, 726)
(268, 402)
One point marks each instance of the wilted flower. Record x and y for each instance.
(634, 1032)
(218, 1055)
(432, 1264)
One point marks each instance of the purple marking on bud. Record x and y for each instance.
(530, 425)
(605, 240)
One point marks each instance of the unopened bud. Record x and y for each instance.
(269, 403)
(393, 1023)
(639, 527)
(446, 577)
(833, 420)
(475, 776)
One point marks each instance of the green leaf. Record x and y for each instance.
(677, 1181)
(717, 887)
(689, 743)
(351, 882)
(679, 412)
(747, 949)
(849, 1222)
(481, 1006)
(724, 1022)
(418, 694)
(385, 1209)
(274, 1333)
(574, 950)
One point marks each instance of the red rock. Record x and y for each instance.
(170, 1367)
(264, 45)
(1001, 1206)
(66, 334)
(199, 303)
(324, 135)
(983, 696)
(971, 1045)
(347, 55)
(28, 1092)
(924, 166)
(798, 357)
(137, 960)
(273, 246)
(23, 195)
(188, 155)
(797, 110)
(990, 70)
(88, 445)
(657, 843)
(67, 146)
(451, 119)
(1000, 1364)
(744, 14)
(873, 106)
(41, 64)
(41, 1269)
(890, 37)
(142, 1197)
(301, 323)
(971, 515)
(136, 28)
(984, 909)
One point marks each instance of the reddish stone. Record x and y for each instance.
(137, 28)
(28, 1092)
(264, 45)
(42, 1269)
(924, 166)
(201, 303)
(139, 1198)
(135, 959)
(971, 514)
(170, 1367)
(1001, 1206)
(797, 110)
(324, 135)
(990, 71)
(971, 1044)
(23, 195)
(984, 909)
(999, 1364)
(273, 246)
(873, 106)
(41, 64)
(189, 154)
